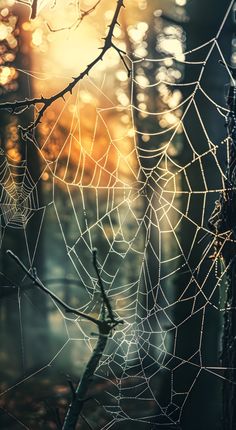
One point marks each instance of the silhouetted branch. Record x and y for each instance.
(37, 282)
(105, 327)
(78, 400)
(45, 102)
(33, 7)
(12, 288)
(103, 294)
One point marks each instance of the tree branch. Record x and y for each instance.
(78, 400)
(103, 293)
(33, 7)
(37, 282)
(45, 102)
(105, 327)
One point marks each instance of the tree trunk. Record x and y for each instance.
(223, 223)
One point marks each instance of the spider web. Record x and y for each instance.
(128, 180)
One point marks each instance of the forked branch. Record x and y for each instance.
(105, 324)
(39, 283)
(17, 107)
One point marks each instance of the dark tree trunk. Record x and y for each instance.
(18, 314)
(223, 223)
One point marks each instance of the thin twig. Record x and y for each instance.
(103, 293)
(121, 53)
(105, 326)
(37, 281)
(14, 107)
(12, 288)
(33, 7)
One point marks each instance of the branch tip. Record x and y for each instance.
(46, 102)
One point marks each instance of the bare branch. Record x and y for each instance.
(33, 7)
(37, 282)
(76, 406)
(121, 53)
(14, 107)
(105, 299)
(105, 326)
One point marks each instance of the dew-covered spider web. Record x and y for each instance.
(132, 167)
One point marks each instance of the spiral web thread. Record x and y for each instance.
(108, 207)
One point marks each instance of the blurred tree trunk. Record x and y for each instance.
(203, 25)
(157, 290)
(222, 222)
(18, 314)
